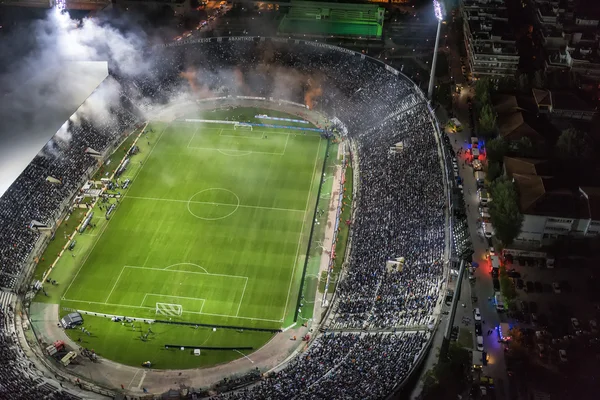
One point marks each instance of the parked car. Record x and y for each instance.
(524, 307)
(514, 274)
(562, 354)
(480, 343)
(520, 284)
(556, 287)
(538, 286)
(495, 273)
(478, 328)
(575, 323)
(477, 314)
(496, 284)
(593, 326)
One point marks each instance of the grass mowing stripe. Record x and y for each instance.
(312, 177)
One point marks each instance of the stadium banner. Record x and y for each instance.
(329, 47)
(251, 98)
(292, 102)
(392, 70)
(262, 116)
(212, 99)
(212, 121)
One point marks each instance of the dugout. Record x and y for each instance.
(317, 19)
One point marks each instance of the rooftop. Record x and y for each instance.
(546, 196)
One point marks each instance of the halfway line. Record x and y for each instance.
(215, 204)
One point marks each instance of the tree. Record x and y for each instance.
(504, 211)
(482, 92)
(496, 149)
(494, 171)
(573, 145)
(506, 84)
(449, 377)
(487, 121)
(523, 147)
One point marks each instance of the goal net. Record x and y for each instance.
(241, 125)
(172, 310)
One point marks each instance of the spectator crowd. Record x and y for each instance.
(377, 325)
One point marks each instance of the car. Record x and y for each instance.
(514, 274)
(477, 314)
(477, 165)
(556, 287)
(542, 350)
(562, 354)
(495, 273)
(593, 326)
(496, 284)
(478, 328)
(529, 286)
(480, 343)
(520, 284)
(575, 323)
(538, 286)
(524, 307)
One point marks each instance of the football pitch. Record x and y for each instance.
(213, 229)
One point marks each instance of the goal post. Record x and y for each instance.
(169, 309)
(241, 125)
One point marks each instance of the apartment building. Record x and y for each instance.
(489, 40)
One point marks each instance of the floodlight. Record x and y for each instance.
(437, 8)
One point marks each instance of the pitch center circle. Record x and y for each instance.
(213, 204)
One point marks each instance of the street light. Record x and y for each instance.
(439, 15)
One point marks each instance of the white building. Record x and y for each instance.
(549, 208)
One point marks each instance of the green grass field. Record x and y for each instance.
(214, 226)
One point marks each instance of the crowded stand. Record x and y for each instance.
(400, 199)
(32, 197)
(342, 366)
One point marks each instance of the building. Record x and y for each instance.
(563, 104)
(550, 206)
(339, 20)
(489, 40)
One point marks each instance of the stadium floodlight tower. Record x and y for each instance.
(439, 15)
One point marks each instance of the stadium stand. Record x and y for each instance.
(379, 322)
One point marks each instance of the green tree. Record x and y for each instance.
(506, 286)
(449, 377)
(482, 92)
(487, 121)
(524, 147)
(504, 211)
(506, 84)
(496, 149)
(494, 171)
(573, 144)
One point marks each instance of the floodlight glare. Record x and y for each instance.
(437, 8)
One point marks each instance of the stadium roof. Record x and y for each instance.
(27, 125)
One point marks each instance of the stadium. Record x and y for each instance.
(255, 218)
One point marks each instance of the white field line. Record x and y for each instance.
(312, 178)
(188, 312)
(215, 204)
(192, 138)
(241, 298)
(287, 139)
(186, 272)
(108, 222)
(115, 285)
(176, 297)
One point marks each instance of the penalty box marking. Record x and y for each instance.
(175, 297)
(193, 298)
(287, 139)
